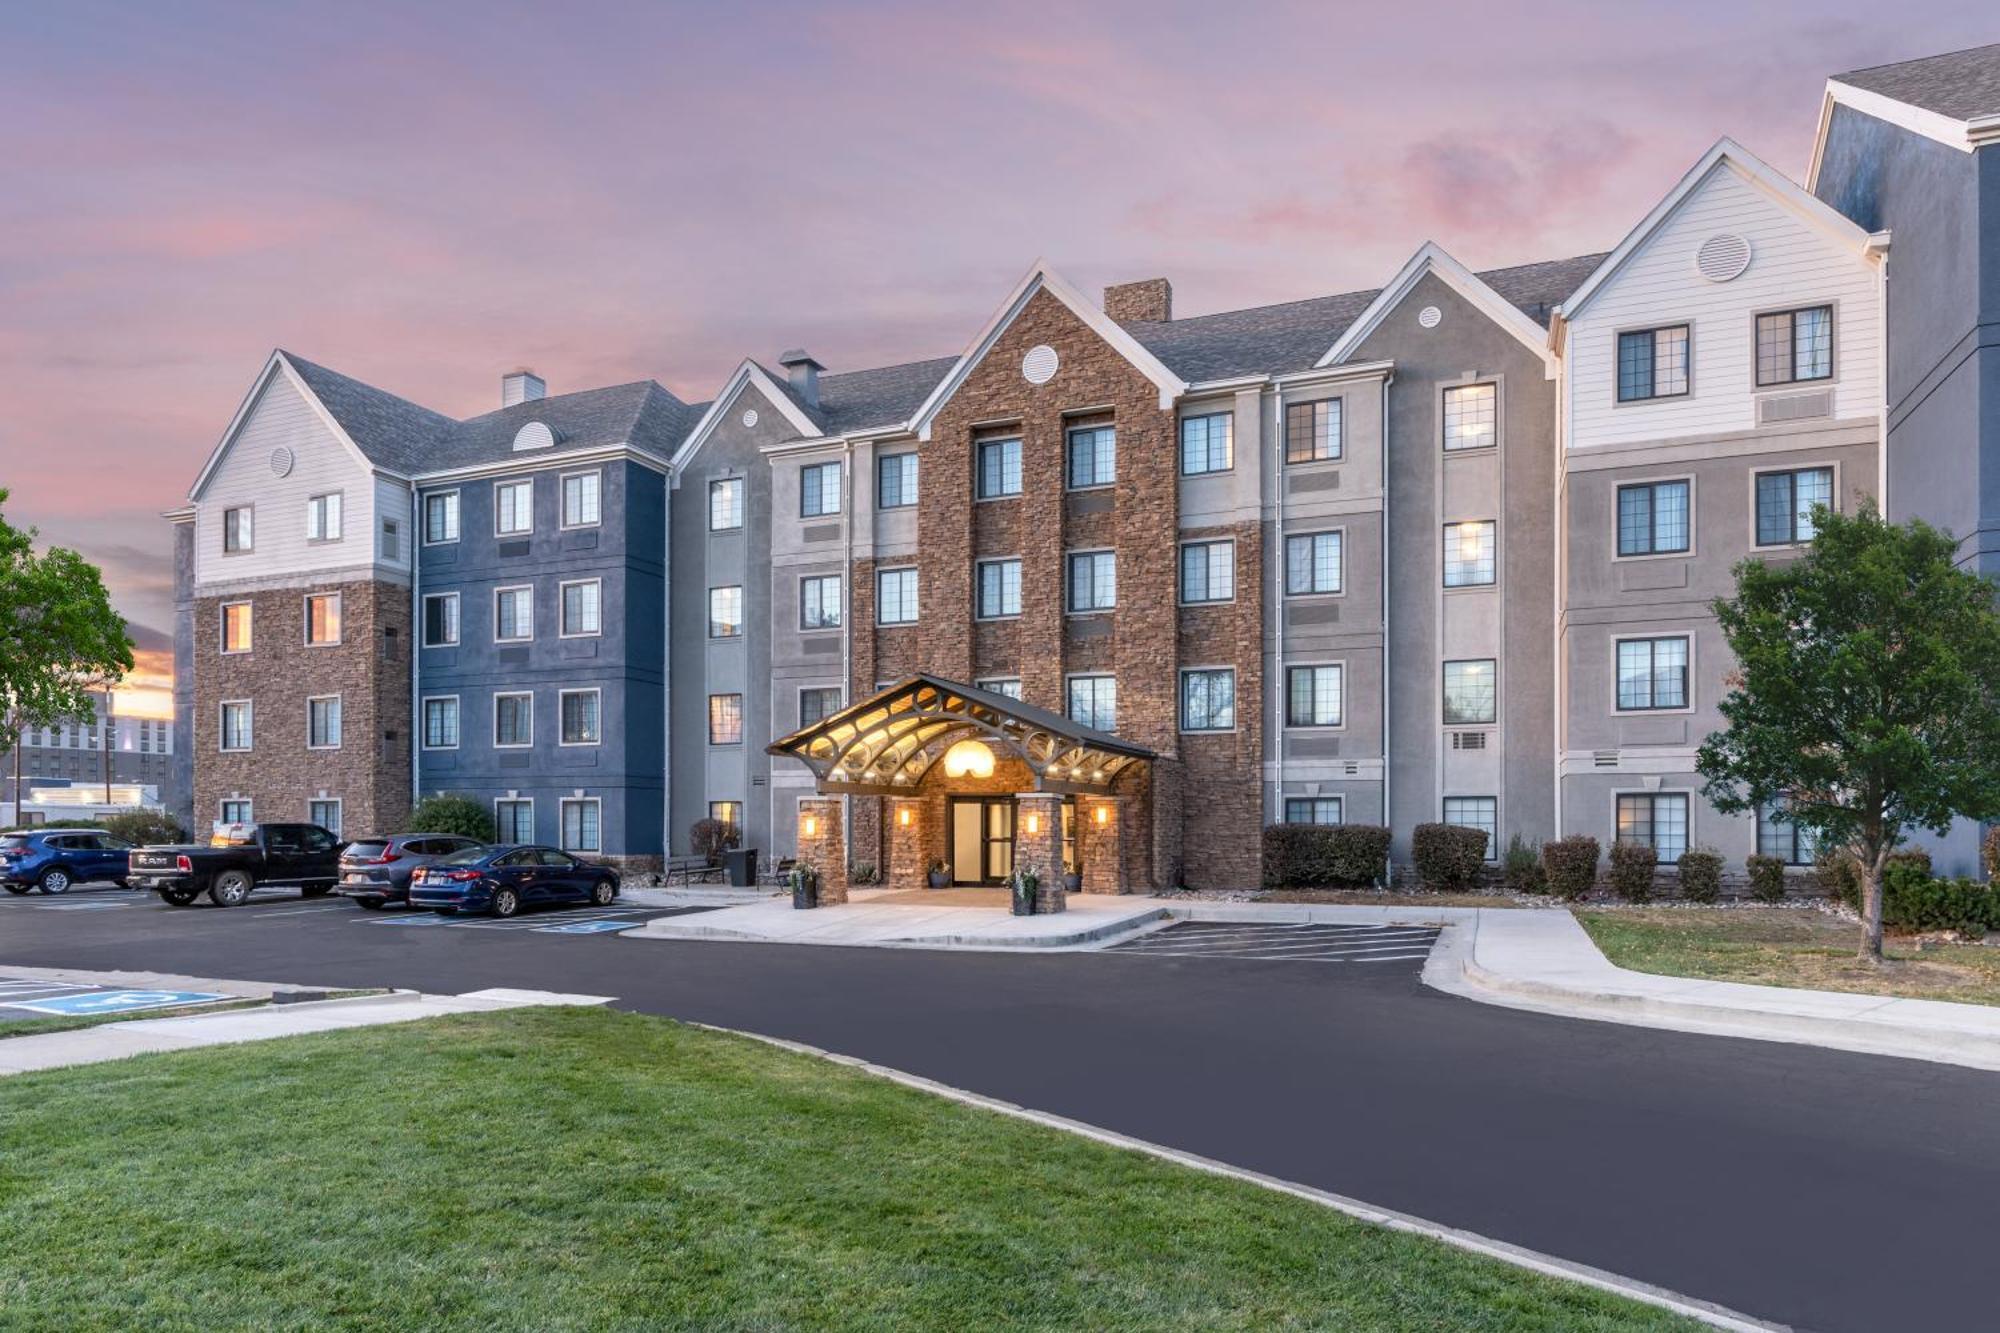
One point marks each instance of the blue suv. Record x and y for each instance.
(53, 859)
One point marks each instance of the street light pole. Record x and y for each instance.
(106, 750)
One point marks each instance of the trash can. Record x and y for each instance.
(741, 865)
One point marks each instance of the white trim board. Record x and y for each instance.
(276, 363)
(749, 372)
(1432, 258)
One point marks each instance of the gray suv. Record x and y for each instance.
(376, 871)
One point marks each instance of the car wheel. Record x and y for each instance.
(506, 902)
(315, 890)
(55, 880)
(122, 883)
(372, 904)
(231, 889)
(603, 893)
(180, 897)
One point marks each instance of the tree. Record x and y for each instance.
(59, 636)
(1866, 693)
(463, 815)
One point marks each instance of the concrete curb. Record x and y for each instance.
(1716, 1316)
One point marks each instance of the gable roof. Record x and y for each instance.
(393, 432)
(1725, 154)
(1964, 85)
(1502, 309)
(752, 374)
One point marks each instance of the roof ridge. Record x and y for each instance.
(1918, 60)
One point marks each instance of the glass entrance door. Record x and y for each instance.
(982, 839)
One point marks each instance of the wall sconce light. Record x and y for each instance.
(1103, 814)
(810, 826)
(903, 816)
(1034, 823)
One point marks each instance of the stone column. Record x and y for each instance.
(823, 845)
(909, 843)
(1098, 841)
(1038, 843)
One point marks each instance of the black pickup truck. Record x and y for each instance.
(239, 858)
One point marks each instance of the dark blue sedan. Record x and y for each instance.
(53, 859)
(502, 880)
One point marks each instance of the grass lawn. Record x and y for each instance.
(565, 1169)
(1788, 947)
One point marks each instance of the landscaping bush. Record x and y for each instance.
(1449, 857)
(1633, 865)
(1989, 852)
(1323, 856)
(863, 874)
(1918, 857)
(1912, 901)
(54, 823)
(145, 828)
(1701, 874)
(1523, 867)
(1837, 878)
(463, 815)
(1767, 878)
(711, 837)
(1572, 865)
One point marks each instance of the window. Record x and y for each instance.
(582, 499)
(999, 588)
(896, 597)
(513, 720)
(999, 469)
(817, 704)
(236, 627)
(1794, 345)
(1469, 417)
(236, 530)
(392, 539)
(1468, 554)
(514, 821)
(323, 618)
(725, 612)
(324, 813)
(582, 609)
(1093, 581)
(582, 824)
(1093, 702)
(1785, 503)
(581, 715)
(1312, 431)
(1312, 696)
(440, 619)
(235, 812)
(896, 481)
(1312, 563)
(323, 723)
(819, 489)
(727, 812)
(441, 723)
(236, 725)
(1653, 518)
(513, 508)
(1469, 699)
(1010, 686)
(1480, 812)
(1207, 444)
(725, 504)
(323, 518)
(1312, 810)
(1093, 456)
(1208, 571)
(1652, 673)
(1778, 836)
(440, 517)
(1655, 819)
(725, 719)
(1653, 363)
(819, 602)
(513, 615)
(1208, 699)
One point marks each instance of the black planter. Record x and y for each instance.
(1024, 903)
(805, 896)
(939, 879)
(1073, 883)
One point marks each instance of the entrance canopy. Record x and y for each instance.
(886, 744)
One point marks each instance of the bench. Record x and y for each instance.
(691, 870)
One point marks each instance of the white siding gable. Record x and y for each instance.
(1794, 263)
(321, 462)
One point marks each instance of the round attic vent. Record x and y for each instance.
(1430, 317)
(534, 435)
(1039, 365)
(281, 462)
(749, 417)
(1722, 257)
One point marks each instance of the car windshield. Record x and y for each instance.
(470, 856)
(14, 841)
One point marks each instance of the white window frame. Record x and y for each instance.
(528, 801)
(339, 617)
(312, 699)
(915, 587)
(561, 719)
(507, 484)
(339, 813)
(222, 628)
(563, 480)
(499, 744)
(1687, 479)
(457, 620)
(1687, 637)
(222, 810)
(424, 721)
(562, 825)
(562, 630)
(979, 611)
(222, 707)
(1653, 798)
(529, 589)
(457, 517)
(1180, 700)
(318, 511)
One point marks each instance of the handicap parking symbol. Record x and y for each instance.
(427, 919)
(585, 928)
(117, 1002)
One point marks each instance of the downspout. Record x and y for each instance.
(416, 650)
(1275, 709)
(847, 631)
(1389, 866)
(1882, 374)
(668, 485)
(1559, 675)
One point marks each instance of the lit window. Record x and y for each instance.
(1655, 819)
(1208, 700)
(725, 504)
(582, 609)
(323, 618)
(513, 615)
(1312, 810)
(441, 517)
(725, 612)
(441, 724)
(580, 711)
(896, 597)
(1312, 431)
(896, 481)
(1093, 581)
(582, 824)
(1653, 673)
(1312, 563)
(1312, 696)
(726, 812)
(999, 588)
(1208, 571)
(1794, 345)
(513, 720)
(440, 619)
(323, 723)
(1207, 444)
(819, 602)
(323, 518)
(513, 508)
(1469, 698)
(1093, 702)
(236, 530)
(1480, 812)
(1468, 554)
(819, 489)
(236, 627)
(725, 719)
(1469, 417)
(1785, 503)
(999, 469)
(1093, 456)
(581, 502)
(817, 704)
(1653, 518)
(1653, 363)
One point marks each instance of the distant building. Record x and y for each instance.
(74, 754)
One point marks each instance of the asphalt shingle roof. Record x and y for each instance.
(1959, 84)
(862, 399)
(394, 432)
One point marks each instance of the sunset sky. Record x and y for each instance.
(425, 195)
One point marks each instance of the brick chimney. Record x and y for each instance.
(803, 372)
(521, 386)
(1150, 301)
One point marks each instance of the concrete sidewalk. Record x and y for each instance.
(866, 922)
(116, 1041)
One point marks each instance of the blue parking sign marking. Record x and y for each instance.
(116, 1002)
(428, 919)
(585, 928)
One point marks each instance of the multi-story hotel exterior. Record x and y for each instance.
(1439, 551)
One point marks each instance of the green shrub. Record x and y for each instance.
(1701, 874)
(1323, 856)
(1767, 878)
(1523, 867)
(1919, 857)
(1989, 852)
(1837, 878)
(54, 823)
(1913, 901)
(712, 837)
(863, 874)
(1572, 865)
(463, 815)
(1633, 865)
(145, 828)
(1449, 858)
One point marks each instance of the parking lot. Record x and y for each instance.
(31, 997)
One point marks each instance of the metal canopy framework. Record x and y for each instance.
(884, 745)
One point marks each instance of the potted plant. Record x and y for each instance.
(1073, 880)
(1025, 883)
(938, 876)
(805, 886)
